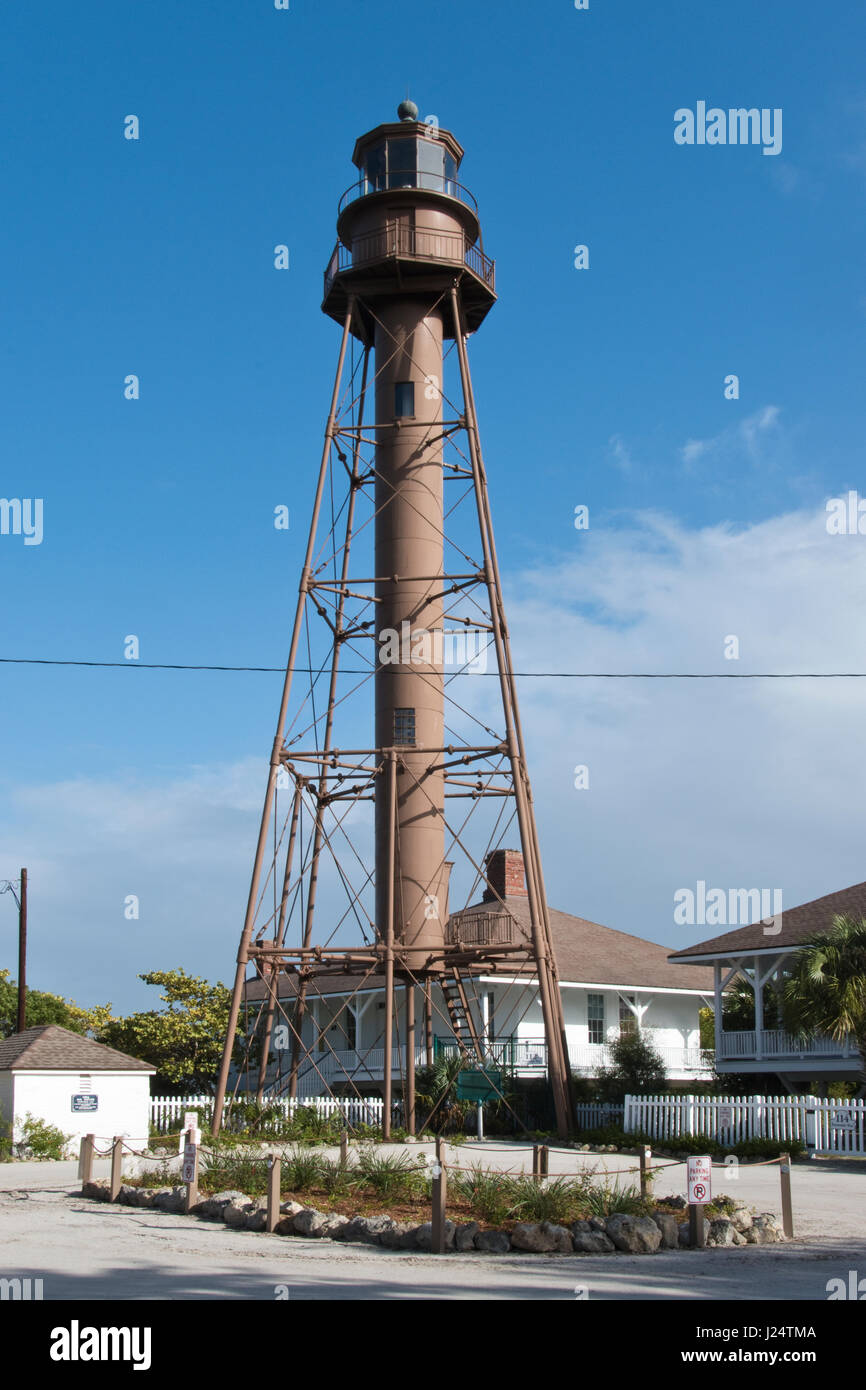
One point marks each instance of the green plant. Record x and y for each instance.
(44, 1140)
(389, 1175)
(302, 1169)
(826, 988)
(603, 1199)
(637, 1068)
(336, 1177)
(555, 1200)
(222, 1171)
(160, 1176)
(489, 1193)
(5, 1140)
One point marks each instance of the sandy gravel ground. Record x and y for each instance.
(90, 1251)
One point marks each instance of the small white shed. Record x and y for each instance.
(72, 1082)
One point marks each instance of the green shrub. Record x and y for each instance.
(488, 1192)
(160, 1176)
(5, 1140)
(222, 1171)
(603, 1199)
(336, 1178)
(389, 1175)
(555, 1200)
(302, 1169)
(43, 1139)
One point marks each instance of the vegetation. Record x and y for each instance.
(825, 991)
(184, 1041)
(41, 1007)
(637, 1069)
(693, 1143)
(42, 1139)
(5, 1139)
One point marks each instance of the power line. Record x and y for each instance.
(530, 675)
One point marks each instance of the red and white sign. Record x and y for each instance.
(700, 1180)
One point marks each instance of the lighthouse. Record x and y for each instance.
(408, 282)
(405, 230)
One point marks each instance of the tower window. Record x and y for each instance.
(404, 727)
(404, 398)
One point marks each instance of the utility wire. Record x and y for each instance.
(534, 675)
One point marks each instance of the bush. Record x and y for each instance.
(637, 1069)
(389, 1175)
(606, 1198)
(489, 1193)
(43, 1140)
(5, 1140)
(557, 1200)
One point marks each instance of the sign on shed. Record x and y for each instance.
(700, 1180)
(85, 1105)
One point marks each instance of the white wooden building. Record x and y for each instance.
(758, 955)
(610, 981)
(73, 1083)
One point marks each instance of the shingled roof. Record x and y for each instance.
(586, 953)
(798, 924)
(52, 1048)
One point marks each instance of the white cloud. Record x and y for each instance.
(745, 436)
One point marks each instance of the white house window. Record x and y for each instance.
(627, 1018)
(595, 1017)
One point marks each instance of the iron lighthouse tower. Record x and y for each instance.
(399, 574)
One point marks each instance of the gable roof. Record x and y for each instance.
(586, 953)
(798, 923)
(49, 1047)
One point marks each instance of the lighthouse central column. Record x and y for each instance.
(409, 563)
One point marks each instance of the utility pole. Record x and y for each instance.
(22, 953)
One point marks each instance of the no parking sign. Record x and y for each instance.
(700, 1180)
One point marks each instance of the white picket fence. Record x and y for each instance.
(824, 1126)
(593, 1114)
(167, 1112)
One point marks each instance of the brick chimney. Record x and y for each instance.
(505, 875)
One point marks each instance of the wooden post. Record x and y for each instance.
(275, 1164)
(697, 1228)
(543, 1161)
(535, 1161)
(440, 1184)
(116, 1162)
(787, 1208)
(344, 1147)
(22, 955)
(644, 1159)
(190, 1173)
(85, 1158)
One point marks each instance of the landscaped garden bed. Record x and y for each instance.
(385, 1199)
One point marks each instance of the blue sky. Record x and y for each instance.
(602, 387)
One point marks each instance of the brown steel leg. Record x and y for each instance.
(246, 935)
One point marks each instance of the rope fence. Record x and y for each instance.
(437, 1167)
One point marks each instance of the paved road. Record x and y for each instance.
(84, 1250)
